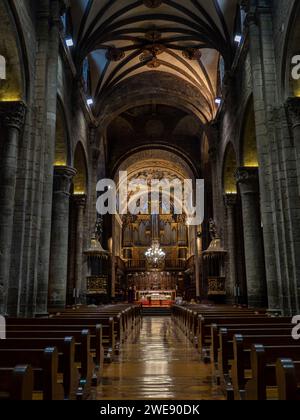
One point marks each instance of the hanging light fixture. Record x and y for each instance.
(155, 257)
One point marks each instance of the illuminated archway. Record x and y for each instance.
(12, 88)
(81, 179)
(61, 139)
(249, 146)
(229, 171)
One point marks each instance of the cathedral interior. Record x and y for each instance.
(160, 90)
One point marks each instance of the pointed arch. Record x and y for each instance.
(80, 164)
(62, 139)
(249, 152)
(229, 170)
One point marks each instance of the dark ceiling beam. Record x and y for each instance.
(223, 22)
(188, 66)
(187, 12)
(84, 19)
(206, 15)
(122, 11)
(124, 74)
(207, 37)
(118, 68)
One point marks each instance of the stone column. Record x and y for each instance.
(12, 118)
(57, 7)
(231, 282)
(247, 179)
(293, 110)
(63, 176)
(214, 135)
(80, 201)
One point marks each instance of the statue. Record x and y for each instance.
(99, 229)
(213, 230)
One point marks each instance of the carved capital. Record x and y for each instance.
(248, 179)
(80, 200)
(292, 106)
(12, 114)
(246, 175)
(251, 16)
(63, 176)
(230, 200)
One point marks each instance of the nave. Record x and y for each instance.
(113, 352)
(159, 363)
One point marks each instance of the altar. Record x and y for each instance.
(156, 298)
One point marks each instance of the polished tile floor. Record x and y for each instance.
(159, 363)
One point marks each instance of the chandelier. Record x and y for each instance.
(155, 257)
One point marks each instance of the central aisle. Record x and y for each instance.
(159, 364)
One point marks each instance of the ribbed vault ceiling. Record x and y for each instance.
(124, 38)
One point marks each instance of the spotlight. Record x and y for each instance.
(238, 38)
(90, 102)
(218, 101)
(69, 42)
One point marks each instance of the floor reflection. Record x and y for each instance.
(158, 364)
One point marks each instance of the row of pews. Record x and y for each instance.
(253, 354)
(62, 356)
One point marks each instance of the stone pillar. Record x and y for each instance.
(60, 237)
(214, 136)
(247, 179)
(12, 118)
(231, 282)
(56, 9)
(263, 62)
(80, 202)
(293, 109)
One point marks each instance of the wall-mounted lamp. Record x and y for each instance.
(218, 101)
(69, 42)
(90, 102)
(238, 39)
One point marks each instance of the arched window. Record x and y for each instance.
(86, 76)
(66, 19)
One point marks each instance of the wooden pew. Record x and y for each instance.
(89, 375)
(206, 322)
(114, 337)
(66, 357)
(288, 379)
(263, 367)
(45, 369)
(95, 326)
(232, 329)
(16, 384)
(96, 347)
(190, 319)
(243, 367)
(222, 371)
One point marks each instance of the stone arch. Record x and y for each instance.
(80, 182)
(148, 88)
(137, 156)
(229, 170)
(62, 145)
(13, 87)
(249, 153)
